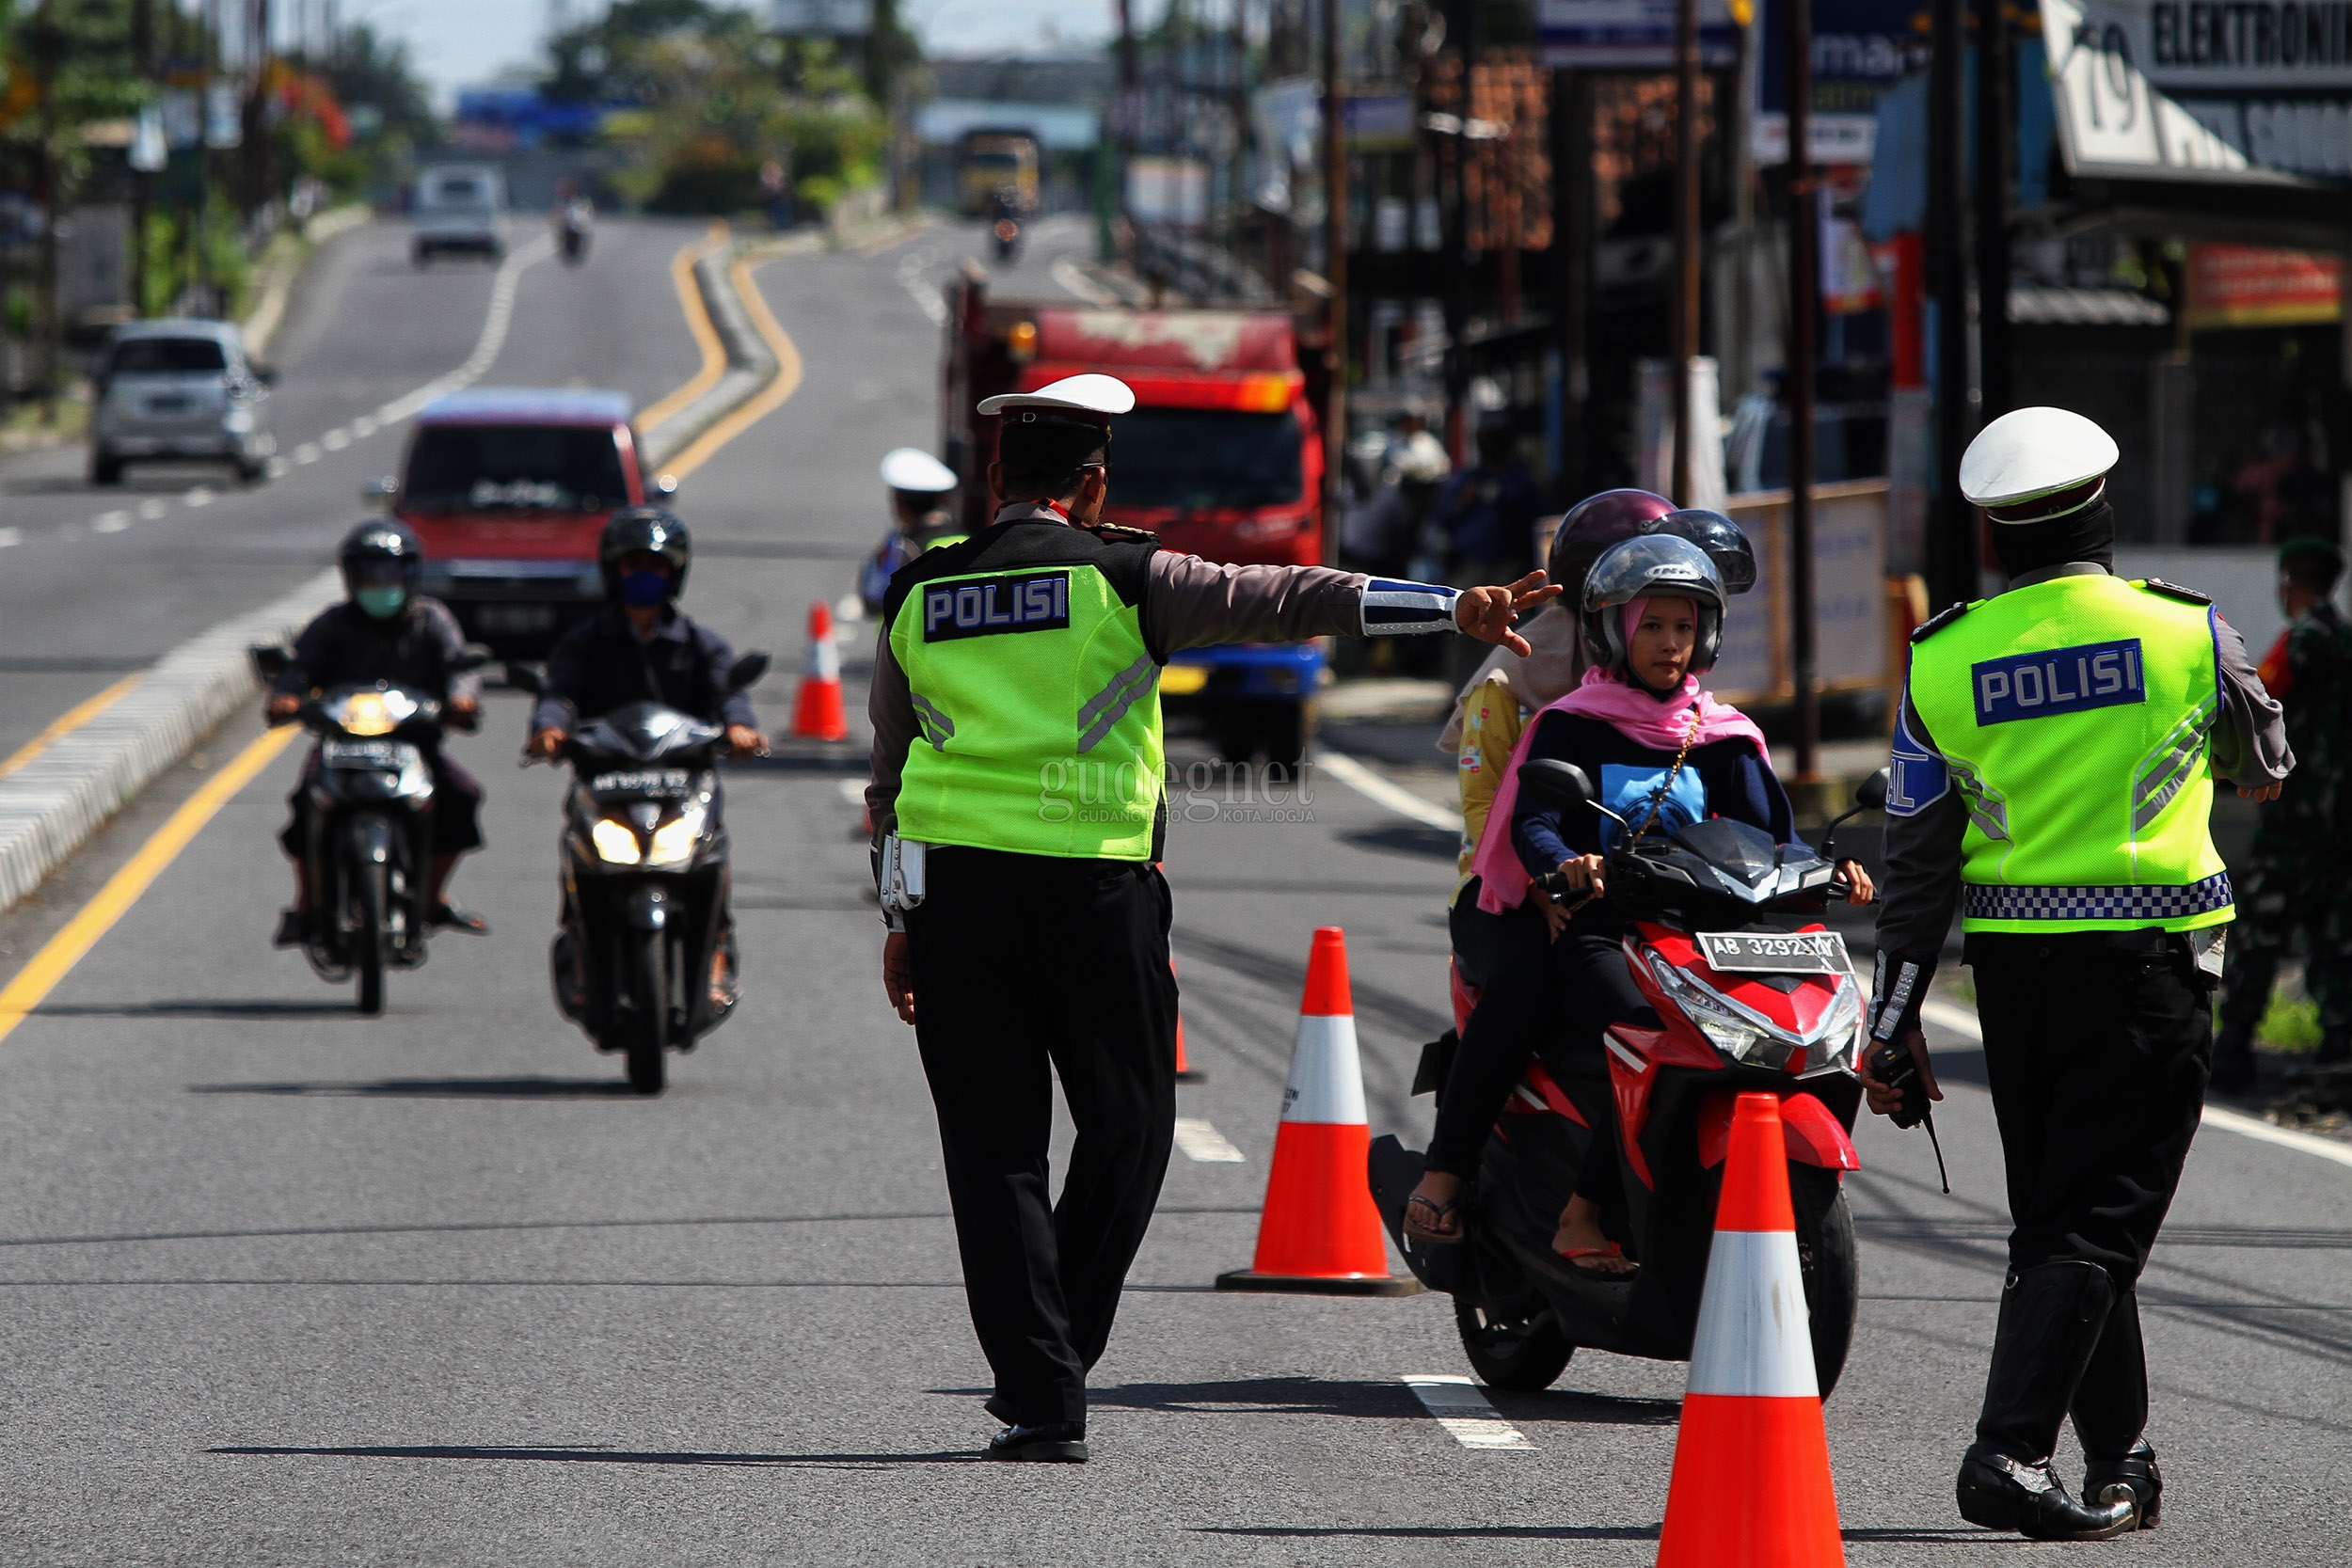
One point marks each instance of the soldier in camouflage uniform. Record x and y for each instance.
(2297, 881)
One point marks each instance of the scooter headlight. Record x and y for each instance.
(616, 842)
(1841, 1032)
(1730, 1034)
(673, 841)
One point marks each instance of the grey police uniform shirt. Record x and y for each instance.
(1924, 845)
(1187, 603)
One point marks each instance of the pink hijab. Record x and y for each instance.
(1640, 718)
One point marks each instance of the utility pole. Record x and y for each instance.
(1335, 273)
(1804, 301)
(1572, 240)
(1996, 82)
(1130, 112)
(1951, 523)
(142, 183)
(1686, 319)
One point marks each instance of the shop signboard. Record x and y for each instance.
(1633, 35)
(1860, 49)
(2245, 91)
(2244, 285)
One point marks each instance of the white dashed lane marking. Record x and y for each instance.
(363, 427)
(200, 497)
(1464, 1412)
(307, 453)
(336, 439)
(10, 536)
(152, 509)
(1201, 1142)
(110, 522)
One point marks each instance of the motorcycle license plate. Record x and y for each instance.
(360, 753)
(1775, 952)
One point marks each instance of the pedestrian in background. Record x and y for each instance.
(2052, 774)
(1488, 510)
(2297, 883)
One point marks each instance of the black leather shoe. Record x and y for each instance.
(294, 929)
(2134, 1476)
(1053, 1443)
(2002, 1493)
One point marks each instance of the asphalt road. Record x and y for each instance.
(287, 1286)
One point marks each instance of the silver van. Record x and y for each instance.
(174, 389)
(458, 207)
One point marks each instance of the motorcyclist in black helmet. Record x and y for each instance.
(640, 647)
(386, 631)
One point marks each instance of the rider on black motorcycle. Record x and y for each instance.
(640, 647)
(387, 631)
(1661, 752)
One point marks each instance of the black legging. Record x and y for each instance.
(1554, 1004)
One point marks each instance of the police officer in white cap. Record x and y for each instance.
(1019, 819)
(922, 517)
(2053, 776)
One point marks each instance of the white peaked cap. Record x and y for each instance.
(2034, 451)
(1072, 394)
(913, 469)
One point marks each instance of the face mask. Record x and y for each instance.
(381, 603)
(644, 590)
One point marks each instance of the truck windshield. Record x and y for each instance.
(1191, 458)
(514, 468)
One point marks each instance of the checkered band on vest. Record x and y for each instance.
(2098, 903)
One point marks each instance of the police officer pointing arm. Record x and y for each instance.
(1018, 816)
(2053, 777)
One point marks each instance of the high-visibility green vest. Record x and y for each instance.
(2073, 716)
(1037, 700)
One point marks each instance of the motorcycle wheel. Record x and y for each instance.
(367, 958)
(648, 1046)
(1831, 1272)
(1523, 1353)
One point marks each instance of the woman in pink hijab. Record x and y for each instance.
(1661, 752)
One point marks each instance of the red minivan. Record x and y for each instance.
(507, 489)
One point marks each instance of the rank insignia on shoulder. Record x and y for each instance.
(1111, 533)
(2175, 591)
(1937, 622)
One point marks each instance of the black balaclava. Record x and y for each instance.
(2087, 533)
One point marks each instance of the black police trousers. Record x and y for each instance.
(1021, 961)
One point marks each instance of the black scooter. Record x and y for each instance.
(644, 857)
(369, 860)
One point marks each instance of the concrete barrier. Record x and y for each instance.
(51, 805)
(750, 366)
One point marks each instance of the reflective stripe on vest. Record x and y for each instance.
(2074, 716)
(1039, 708)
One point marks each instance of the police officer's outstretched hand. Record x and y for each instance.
(1887, 1100)
(898, 975)
(1487, 613)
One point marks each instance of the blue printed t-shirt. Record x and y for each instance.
(1720, 778)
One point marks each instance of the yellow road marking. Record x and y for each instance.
(67, 722)
(58, 956)
(770, 398)
(690, 298)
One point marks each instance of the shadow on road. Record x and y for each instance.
(1445, 1532)
(1578, 1409)
(1407, 838)
(595, 1454)
(1289, 1396)
(196, 1009)
(534, 1088)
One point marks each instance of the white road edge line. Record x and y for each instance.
(1464, 1412)
(10, 536)
(1403, 801)
(1201, 1142)
(852, 790)
(1945, 1015)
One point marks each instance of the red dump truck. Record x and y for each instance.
(1222, 458)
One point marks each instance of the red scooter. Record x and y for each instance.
(1727, 943)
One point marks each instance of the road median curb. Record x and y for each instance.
(51, 806)
(750, 365)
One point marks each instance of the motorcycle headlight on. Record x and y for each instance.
(616, 842)
(1736, 1036)
(673, 841)
(372, 712)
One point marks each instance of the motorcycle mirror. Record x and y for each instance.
(269, 659)
(1556, 784)
(265, 374)
(527, 677)
(666, 484)
(1870, 793)
(473, 656)
(378, 491)
(747, 672)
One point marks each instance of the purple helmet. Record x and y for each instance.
(1592, 526)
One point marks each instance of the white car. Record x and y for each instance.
(458, 207)
(173, 389)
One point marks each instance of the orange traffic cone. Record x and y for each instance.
(817, 715)
(1319, 1231)
(1750, 1480)
(1185, 1072)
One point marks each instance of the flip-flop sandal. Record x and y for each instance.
(1422, 1232)
(1606, 1276)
